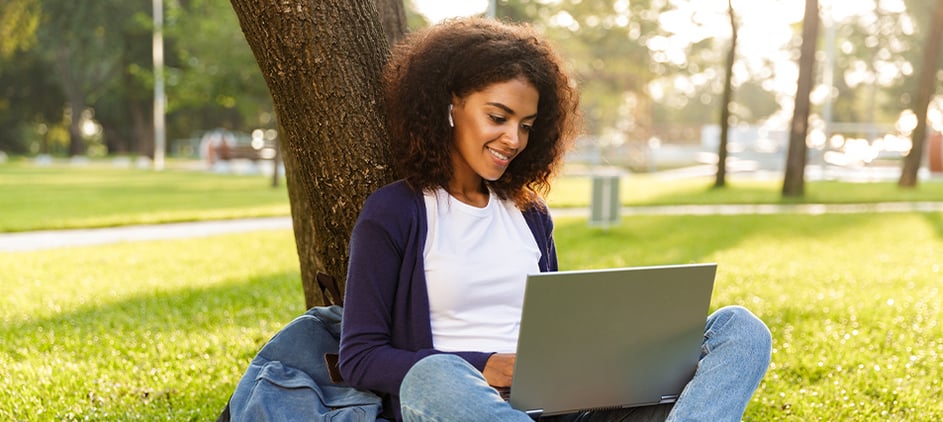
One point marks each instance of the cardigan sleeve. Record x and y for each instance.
(385, 326)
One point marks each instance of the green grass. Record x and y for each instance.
(99, 195)
(140, 331)
(645, 189)
(853, 302)
(163, 330)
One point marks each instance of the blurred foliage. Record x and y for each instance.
(99, 55)
(876, 58)
(609, 45)
(54, 54)
(634, 89)
(18, 22)
(29, 97)
(605, 45)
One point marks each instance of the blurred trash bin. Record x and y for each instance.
(605, 206)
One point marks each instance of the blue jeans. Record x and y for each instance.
(734, 357)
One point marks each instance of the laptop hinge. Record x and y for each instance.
(668, 398)
(535, 414)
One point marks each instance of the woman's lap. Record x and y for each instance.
(734, 358)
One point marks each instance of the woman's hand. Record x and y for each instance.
(499, 369)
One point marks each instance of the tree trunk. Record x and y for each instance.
(794, 181)
(322, 60)
(76, 142)
(111, 137)
(721, 179)
(925, 89)
(393, 18)
(142, 121)
(276, 161)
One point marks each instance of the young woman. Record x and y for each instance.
(480, 114)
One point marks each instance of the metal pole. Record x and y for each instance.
(160, 99)
(492, 8)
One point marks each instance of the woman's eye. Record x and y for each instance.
(527, 127)
(498, 119)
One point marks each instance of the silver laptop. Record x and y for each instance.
(603, 339)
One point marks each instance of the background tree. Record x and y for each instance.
(18, 22)
(794, 180)
(29, 97)
(393, 18)
(20, 74)
(867, 47)
(607, 47)
(891, 45)
(321, 61)
(606, 44)
(82, 49)
(927, 86)
(689, 84)
(124, 108)
(213, 80)
(721, 179)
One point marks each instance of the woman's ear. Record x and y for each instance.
(457, 101)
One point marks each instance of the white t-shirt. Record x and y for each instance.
(476, 262)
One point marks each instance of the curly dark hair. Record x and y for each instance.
(460, 57)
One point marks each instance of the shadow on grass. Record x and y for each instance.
(170, 355)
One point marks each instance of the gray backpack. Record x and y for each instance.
(294, 378)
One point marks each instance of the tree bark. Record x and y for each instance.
(76, 107)
(276, 162)
(925, 90)
(321, 60)
(794, 180)
(721, 179)
(142, 120)
(393, 18)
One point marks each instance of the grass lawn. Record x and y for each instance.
(163, 330)
(853, 302)
(646, 189)
(100, 195)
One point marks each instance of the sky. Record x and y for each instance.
(436, 10)
(764, 23)
(758, 11)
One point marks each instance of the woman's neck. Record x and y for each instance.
(475, 194)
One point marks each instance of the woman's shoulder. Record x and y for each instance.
(392, 202)
(397, 193)
(396, 210)
(537, 214)
(536, 208)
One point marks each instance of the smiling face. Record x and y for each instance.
(491, 128)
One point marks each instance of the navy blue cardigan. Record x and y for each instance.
(386, 326)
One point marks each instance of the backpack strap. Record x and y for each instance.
(330, 291)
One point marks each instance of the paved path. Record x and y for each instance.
(46, 239)
(785, 209)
